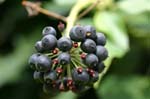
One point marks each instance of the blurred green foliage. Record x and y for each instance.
(126, 23)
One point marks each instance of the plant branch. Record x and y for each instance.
(37, 8)
(73, 16)
(88, 9)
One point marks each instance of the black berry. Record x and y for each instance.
(77, 34)
(101, 39)
(38, 46)
(100, 67)
(43, 63)
(50, 76)
(94, 76)
(64, 44)
(49, 42)
(64, 58)
(49, 30)
(90, 32)
(33, 60)
(80, 76)
(38, 76)
(101, 52)
(88, 46)
(91, 60)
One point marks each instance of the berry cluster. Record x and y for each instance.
(69, 63)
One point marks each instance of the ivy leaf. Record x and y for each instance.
(13, 64)
(113, 25)
(139, 25)
(85, 21)
(58, 7)
(134, 6)
(131, 87)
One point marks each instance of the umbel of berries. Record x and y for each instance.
(69, 63)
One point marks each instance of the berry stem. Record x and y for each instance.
(68, 71)
(35, 6)
(74, 64)
(78, 61)
(73, 16)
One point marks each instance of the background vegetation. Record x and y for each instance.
(126, 23)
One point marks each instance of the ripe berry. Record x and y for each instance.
(88, 46)
(100, 67)
(57, 84)
(38, 76)
(33, 60)
(101, 39)
(49, 42)
(50, 76)
(80, 77)
(38, 46)
(90, 32)
(101, 52)
(64, 44)
(79, 88)
(77, 33)
(94, 76)
(49, 89)
(91, 60)
(43, 63)
(49, 30)
(64, 58)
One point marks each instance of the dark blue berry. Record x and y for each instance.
(64, 58)
(101, 52)
(50, 76)
(77, 34)
(33, 60)
(49, 30)
(43, 63)
(64, 44)
(38, 76)
(79, 88)
(91, 60)
(49, 89)
(90, 32)
(80, 76)
(101, 39)
(100, 67)
(38, 46)
(88, 46)
(49, 42)
(94, 77)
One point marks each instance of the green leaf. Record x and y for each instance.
(113, 25)
(12, 65)
(58, 7)
(65, 2)
(139, 25)
(85, 21)
(134, 6)
(131, 87)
